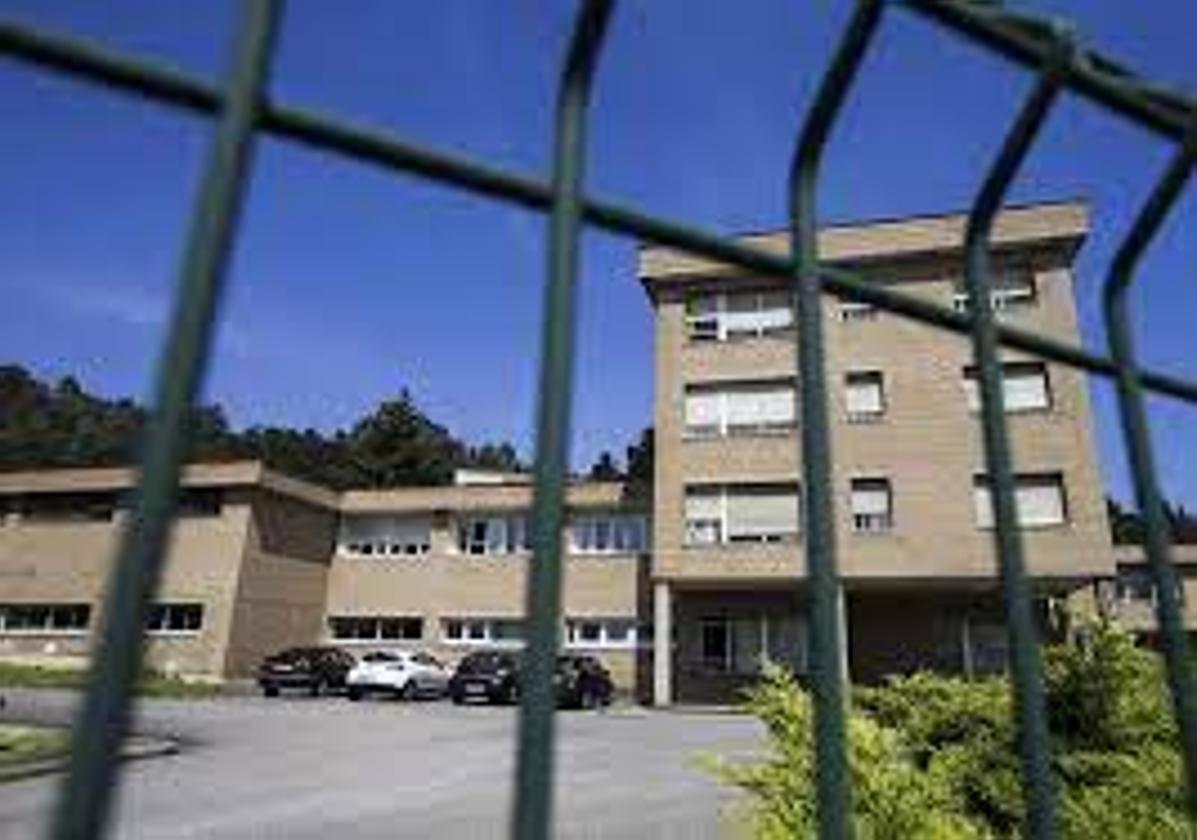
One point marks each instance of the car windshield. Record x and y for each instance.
(484, 662)
(381, 656)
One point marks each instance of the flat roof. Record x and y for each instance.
(1062, 224)
(508, 496)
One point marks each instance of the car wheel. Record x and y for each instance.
(354, 693)
(408, 692)
(317, 688)
(270, 691)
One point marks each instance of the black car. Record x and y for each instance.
(583, 682)
(310, 669)
(494, 677)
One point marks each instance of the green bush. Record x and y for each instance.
(935, 757)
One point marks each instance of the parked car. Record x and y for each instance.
(311, 669)
(583, 682)
(494, 677)
(406, 674)
(487, 675)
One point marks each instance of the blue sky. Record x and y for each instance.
(349, 284)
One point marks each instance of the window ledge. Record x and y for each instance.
(174, 634)
(58, 634)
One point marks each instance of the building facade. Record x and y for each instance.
(685, 591)
(913, 518)
(259, 561)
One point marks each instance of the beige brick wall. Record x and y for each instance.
(928, 444)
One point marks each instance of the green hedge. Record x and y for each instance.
(934, 757)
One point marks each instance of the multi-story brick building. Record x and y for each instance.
(912, 508)
(260, 561)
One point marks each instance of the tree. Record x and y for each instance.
(640, 459)
(396, 444)
(605, 468)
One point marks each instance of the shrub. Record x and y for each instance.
(935, 757)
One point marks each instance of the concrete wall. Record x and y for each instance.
(64, 562)
(283, 580)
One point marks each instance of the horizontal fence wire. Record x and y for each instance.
(243, 110)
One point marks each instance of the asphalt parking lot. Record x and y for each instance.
(327, 768)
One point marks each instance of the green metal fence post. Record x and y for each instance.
(1030, 707)
(533, 811)
(1137, 436)
(826, 609)
(87, 792)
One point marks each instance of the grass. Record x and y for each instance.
(25, 675)
(22, 745)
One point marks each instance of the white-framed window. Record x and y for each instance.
(622, 533)
(1135, 584)
(872, 503)
(864, 396)
(852, 310)
(735, 315)
(739, 513)
(483, 631)
(1039, 500)
(383, 536)
(44, 619)
(601, 633)
(1025, 387)
(494, 534)
(739, 408)
(175, 618)
(1011, 290)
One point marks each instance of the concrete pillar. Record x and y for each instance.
(662, 644)
(842, 612)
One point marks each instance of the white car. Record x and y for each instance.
(403, 673)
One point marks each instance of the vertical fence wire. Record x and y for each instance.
(826, 609)
(532, 813)
(1034, 743)
(1137, 437)
(87, 792)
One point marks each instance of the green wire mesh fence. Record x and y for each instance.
(243, 110)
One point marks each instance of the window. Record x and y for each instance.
(199, 502)
(851, 310)
(601, 633)
(483, 630)
(864, 396)
(494, 535)
(1024, 387)
(371, 628)
(1136, 584)
(68, 507)
(608, 534)
(741, 513)
(175, 618)
(1014, 289)
(738, 315)
(385, 536)
(745, 408)
(872, 505)
(44, 618)
(1038, 497)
